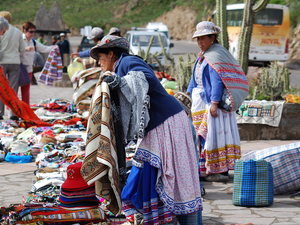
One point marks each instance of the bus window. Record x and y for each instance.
(269, 17)
(234, 17)
(266, 17)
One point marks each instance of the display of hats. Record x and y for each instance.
(75, 192)
(74, 179)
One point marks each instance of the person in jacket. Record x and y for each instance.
(11, 47)
(164, 181)
(96, 35)
(218, 86)
(64, 48)
(27, 58)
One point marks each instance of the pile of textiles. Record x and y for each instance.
(84, 83)
(50, 214)
(75, 192)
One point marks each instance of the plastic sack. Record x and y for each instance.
(74, 67)
(170, 85)
(18, 158)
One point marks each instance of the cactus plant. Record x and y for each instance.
(251, 7)
(181, 69)
(221, 19)
(272, 83)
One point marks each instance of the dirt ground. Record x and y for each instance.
(181, 22)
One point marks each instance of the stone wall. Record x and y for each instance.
(289, 127)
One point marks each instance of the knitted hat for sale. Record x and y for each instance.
(74, 179)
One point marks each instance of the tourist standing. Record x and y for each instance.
(11, 47)
(27, 58)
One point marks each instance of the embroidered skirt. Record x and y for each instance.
(222, 141)
(139, 195)
(170, 148)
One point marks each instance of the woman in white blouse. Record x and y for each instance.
(27, 58)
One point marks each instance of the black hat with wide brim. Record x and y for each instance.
(109, 41)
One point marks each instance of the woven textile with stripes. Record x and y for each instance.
(253, 183)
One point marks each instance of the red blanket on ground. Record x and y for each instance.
(21, 109)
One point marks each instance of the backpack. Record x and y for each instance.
(34, 44)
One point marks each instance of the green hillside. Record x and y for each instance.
(104, 13)
(122, 13)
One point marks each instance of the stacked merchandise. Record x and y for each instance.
(45, 214)
(75, 192)
(84, 83)
(78, 204)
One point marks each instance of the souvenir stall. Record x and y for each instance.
(53, 134)
(71, 186)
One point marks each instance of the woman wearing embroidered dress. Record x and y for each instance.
(164, 181)
(217, 87)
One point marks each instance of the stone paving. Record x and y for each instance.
(16, 180)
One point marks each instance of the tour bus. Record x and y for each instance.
(270, 36)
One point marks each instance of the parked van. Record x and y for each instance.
(139, 40)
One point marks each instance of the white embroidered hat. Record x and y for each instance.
(205, 28)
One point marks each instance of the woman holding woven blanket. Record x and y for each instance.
(164, 180)
(218, 86)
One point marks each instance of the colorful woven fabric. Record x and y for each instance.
(253, 183)
(286, 168)
(90, 215)
(260, 112)
(100, 162)
(52, 70)
(21, 109)
(230, 72)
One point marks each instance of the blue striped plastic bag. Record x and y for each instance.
(253, 183)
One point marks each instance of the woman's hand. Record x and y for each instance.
(108, 74)
(29, 48)
(214, 109)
